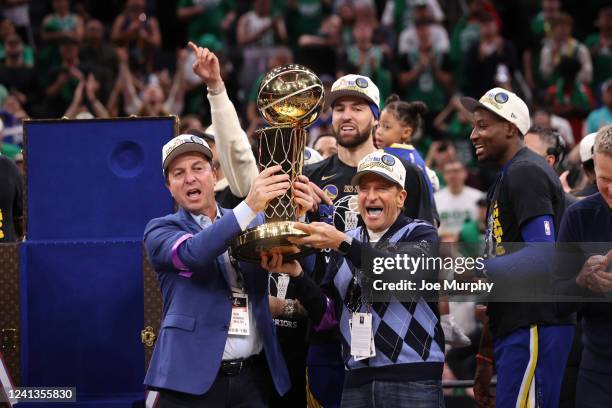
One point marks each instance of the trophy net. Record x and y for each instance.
(282, 146)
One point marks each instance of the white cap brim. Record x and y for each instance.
(472, 104)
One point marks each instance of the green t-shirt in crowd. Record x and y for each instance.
(470, 233)
(27, 54)
(210, 20)
(539, 30)
(426, 87)
(9, 150)
(57, 23)
(472, 239)
(465, 34)
(305, 19)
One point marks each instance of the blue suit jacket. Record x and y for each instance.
(197, 309)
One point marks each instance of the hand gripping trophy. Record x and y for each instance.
(290, 98)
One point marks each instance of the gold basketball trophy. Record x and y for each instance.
(290, 98)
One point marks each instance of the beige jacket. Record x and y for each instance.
(233, 147)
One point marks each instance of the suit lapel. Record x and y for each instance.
(221, 264)
(191, 224)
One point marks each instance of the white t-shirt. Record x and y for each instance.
(408, 39)
(455, 209)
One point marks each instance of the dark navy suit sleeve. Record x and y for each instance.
(569, 259)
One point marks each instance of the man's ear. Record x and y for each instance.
(401, 198)
(514, 131)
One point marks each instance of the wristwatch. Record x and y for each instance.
(289, 308)
(345, 246)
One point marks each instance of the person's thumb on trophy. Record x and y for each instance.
(307, 228)
(267, 186)
(320, 235)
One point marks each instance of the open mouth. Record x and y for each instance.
(347, 128)
(193, 193)
(374, 211)
(479, 148)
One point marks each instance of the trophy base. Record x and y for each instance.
(249, 245)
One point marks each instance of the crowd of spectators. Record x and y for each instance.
(79, 59)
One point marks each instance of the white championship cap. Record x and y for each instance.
(354, 85)
(183, 144)
(382, 164)
(503, 103)
(586, 147)
(311, 156)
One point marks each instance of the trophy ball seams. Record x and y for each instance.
(291, 95)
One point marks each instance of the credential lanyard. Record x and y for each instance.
(236, 277)
(237, 269)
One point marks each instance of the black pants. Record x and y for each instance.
(248, 389)
(593, 389)
(296, 396)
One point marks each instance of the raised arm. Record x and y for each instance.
(233, 147)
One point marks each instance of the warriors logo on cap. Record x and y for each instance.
(501, 97)
(384, 165)
(361, 82)
(388, 159)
